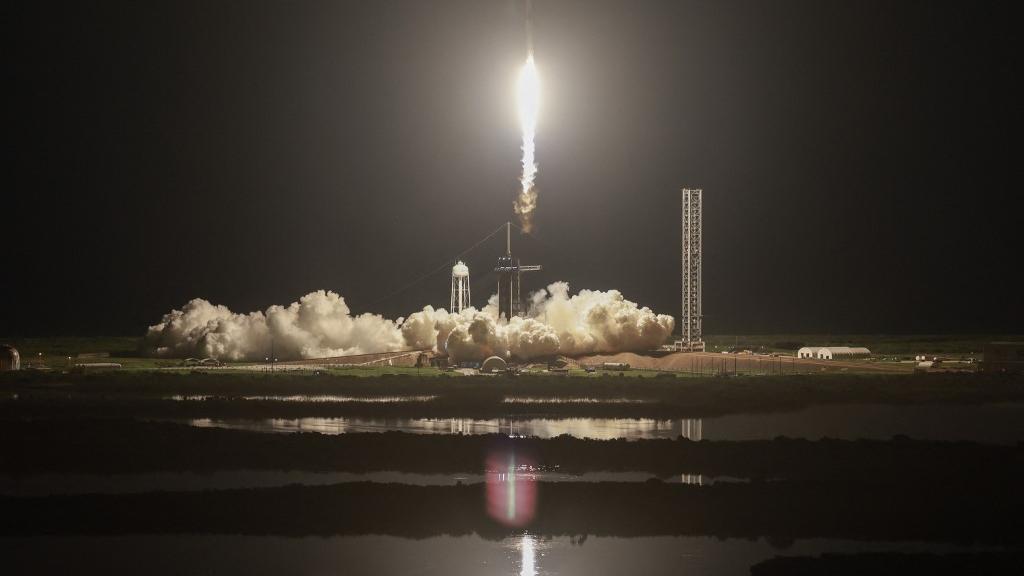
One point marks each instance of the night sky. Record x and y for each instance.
(860, 160)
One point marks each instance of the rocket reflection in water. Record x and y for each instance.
(511, 489)
(528, 565)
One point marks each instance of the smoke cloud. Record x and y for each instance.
(320, 324)
(588, 322)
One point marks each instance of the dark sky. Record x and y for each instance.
(860, 160)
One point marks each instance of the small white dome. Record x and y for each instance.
(460, 270)
(493, 364)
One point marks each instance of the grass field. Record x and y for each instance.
(63, 352)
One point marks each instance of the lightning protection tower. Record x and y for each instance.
(508, 270)
(691, 319)
(460, 287)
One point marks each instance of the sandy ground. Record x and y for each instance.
(692, 362)
(712, 363)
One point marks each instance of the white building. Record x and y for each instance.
(493, 364)
(832, 352)
(842, 352)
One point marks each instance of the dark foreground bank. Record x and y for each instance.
(223, 395)
(895, 564)
(781, 510)
(129, 446)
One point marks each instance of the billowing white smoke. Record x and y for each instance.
(588, 322)
(320, 325)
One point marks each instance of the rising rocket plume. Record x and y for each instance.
(529, 104)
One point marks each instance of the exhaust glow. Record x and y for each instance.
(529, 106)
(511, 489)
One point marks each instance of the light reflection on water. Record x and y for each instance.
(309, 398)
(697, 479)
(527, 564)
(991, 423)
(577, 400)
(55, 484)
(597, 428)
(525, 554)
(335, 398)
(511, 488)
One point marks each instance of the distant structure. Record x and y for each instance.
(1003, 357)
(460, 287)
(9, 358)
(832, 352)
(95, 366)
(808, 352)
(691, 319)
(508, 270)
(202, 362)
(493, 364)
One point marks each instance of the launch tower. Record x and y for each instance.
(691, 319)
(508, 269)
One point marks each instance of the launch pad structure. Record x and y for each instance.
(509, 270)
(691, 318)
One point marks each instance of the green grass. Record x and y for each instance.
(62, 347)
(374, 371)
(54, 352)
(138, 394)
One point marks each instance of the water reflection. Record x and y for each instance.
(528, 566)
(336, 398)
(53, 484)
(578, 400)
(993, 423)
(370, 555)
(309, 398)
(511, 489)
(692, 429)
(597, 428)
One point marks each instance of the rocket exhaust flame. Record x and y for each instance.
(529, 105)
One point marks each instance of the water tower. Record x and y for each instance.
(460, 287)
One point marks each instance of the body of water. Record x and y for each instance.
(54, 484)
(523, 555)
(310, 398)
(990, 423)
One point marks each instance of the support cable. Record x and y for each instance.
(446, 264)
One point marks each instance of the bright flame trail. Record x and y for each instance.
(529, 104)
